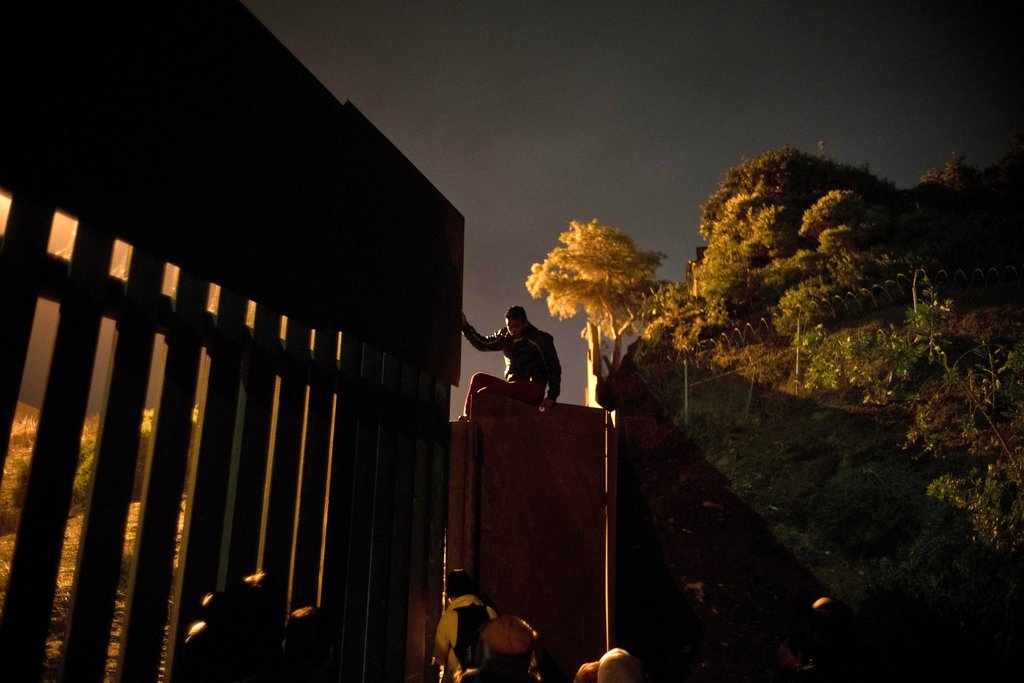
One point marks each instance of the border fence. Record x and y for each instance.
(315, 457)
(300, 414)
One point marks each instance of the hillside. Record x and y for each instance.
(765, 494)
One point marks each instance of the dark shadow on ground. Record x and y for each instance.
(707, 593)
(704, 592)
(652, 619)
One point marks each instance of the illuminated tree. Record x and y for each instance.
(601, 270)
(759, 236)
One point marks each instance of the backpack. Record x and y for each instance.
(471, 618)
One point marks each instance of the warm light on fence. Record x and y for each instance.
(170, 283)
(213, 301)
(120, 260)
(62, 235)
(5, 211)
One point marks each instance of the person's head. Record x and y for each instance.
(618, 666)
(459, 583)
(820, 638)
(515, 321)
(305, 638)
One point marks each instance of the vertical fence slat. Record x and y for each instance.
(316, 454)
(199, 556)
(354, 635)
(438, 510)
(401, 552)
(391, 527)
(379, 581)
(402, 533)
(117, 447)
(284, 468)
(436, 395)
(21, 264)
(338, 528)
(40, 537)
(152, 568)
(418, 646)
(249, 455)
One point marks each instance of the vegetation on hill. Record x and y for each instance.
(853, 361)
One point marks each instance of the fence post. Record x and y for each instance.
(686, 391)
(797, 372)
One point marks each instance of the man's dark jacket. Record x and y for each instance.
(531, 357)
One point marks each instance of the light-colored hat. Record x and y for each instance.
(618, 666)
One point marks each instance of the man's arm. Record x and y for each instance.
(493, 342)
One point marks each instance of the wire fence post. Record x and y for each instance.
(796, 377)
(686, 391)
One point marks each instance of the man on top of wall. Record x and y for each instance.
(531, 363)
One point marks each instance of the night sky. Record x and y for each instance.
(527, 115)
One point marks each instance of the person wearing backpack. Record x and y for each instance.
(459, 626)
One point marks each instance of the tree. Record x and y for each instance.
(758, 231)
(600, 269)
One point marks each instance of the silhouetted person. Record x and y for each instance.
(307, 650)
(823, 646)
(459, 627)
(240, 634)
(615, 666)
(531, 362)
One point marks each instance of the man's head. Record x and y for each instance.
(459, 583)
(515, 321)
(618, 666)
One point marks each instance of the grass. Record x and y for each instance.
(11, 497)
(832, 478)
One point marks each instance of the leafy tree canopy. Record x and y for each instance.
(600, 269)
(786, 230)
(778, 206)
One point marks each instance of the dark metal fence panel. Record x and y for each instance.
(315, 469)
(151, 577)
(200, 553)
(357, 604)
(22, 259)
(402, 551)
(249, 457)
(435, 552)
(40, 537)
(117, 448)
(419, 643)
(337, 527)
(286, 459)
(354, 493)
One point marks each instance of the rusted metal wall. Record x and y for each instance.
(532, 511)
